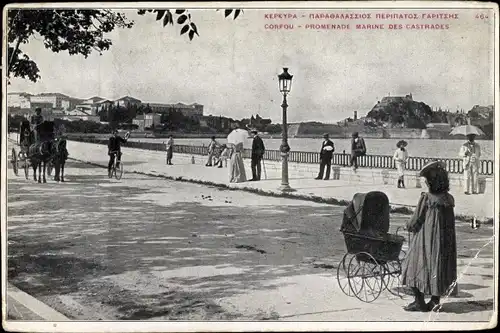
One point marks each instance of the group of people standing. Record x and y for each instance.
(358, 148)
(470, 152)
(217, 154)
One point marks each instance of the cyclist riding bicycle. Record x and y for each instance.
(114, 148)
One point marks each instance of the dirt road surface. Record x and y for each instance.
(145, 248)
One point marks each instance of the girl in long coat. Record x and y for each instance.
(430, 267)
(236, 165)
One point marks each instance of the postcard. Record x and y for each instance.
(250, 166)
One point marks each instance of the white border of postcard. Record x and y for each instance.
(185, 326)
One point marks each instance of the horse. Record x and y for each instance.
(59, 158)
(41, 153)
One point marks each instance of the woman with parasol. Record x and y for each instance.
(400, 157)
(235, 140)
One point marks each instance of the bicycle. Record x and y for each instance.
(116, 171)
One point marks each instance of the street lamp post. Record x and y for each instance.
(285, 85)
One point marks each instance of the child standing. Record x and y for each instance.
(400, 157)
(430, 268)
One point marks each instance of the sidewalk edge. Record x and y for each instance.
(37, 307)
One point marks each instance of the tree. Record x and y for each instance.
(76, 31)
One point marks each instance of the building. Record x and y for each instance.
(93, 100)
(258, 122)
(146, 121)
(79, 111)
(104, 105)
(94, 119)
(139, 121)
(19, 100)
(127, 101)
(193, 110)
(440, 126)
(89, 109)
(58, 101)
(219, 123)
(391, 99)
(152, 119)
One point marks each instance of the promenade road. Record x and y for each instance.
(153, 162)
(149, 248)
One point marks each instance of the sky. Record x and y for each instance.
(232, 67)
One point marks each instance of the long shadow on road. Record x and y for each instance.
(162, 250)
(98, 243)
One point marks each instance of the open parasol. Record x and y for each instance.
(237, 136)
(466, 130)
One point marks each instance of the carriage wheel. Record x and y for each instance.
(392, 278)
(365, 277)
(119, 172)
(342, 277)
(14, 162)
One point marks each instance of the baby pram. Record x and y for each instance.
(373, 259)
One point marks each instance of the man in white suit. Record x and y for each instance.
(470, 152)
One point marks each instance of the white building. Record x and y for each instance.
(152, 119)
(192, 110)
(58, 101)
(127, 101)
(147, 120)
(19, 100)
(93, 100)
(89, 109)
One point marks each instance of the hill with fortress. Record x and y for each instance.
(401, 117)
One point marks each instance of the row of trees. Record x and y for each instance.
(81, 126)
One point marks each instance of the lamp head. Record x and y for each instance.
(285, 81)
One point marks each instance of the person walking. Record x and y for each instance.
(358, 148)
(258, 150)
(169, 147)
(430, 267)
(470, 152)
(236, 165)
(211, 150)
(325, 157)
(400, 157)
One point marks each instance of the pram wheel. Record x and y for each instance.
(365, 276)
(342, 277)
(392, 278)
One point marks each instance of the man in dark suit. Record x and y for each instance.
(258, 150)
(325, 157)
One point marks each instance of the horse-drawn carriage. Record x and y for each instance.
(43, 152)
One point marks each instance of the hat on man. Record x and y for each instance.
(430, 166)
(254, 131)
(355, 134)
(326, 135)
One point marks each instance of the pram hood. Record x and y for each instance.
(367, 213)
